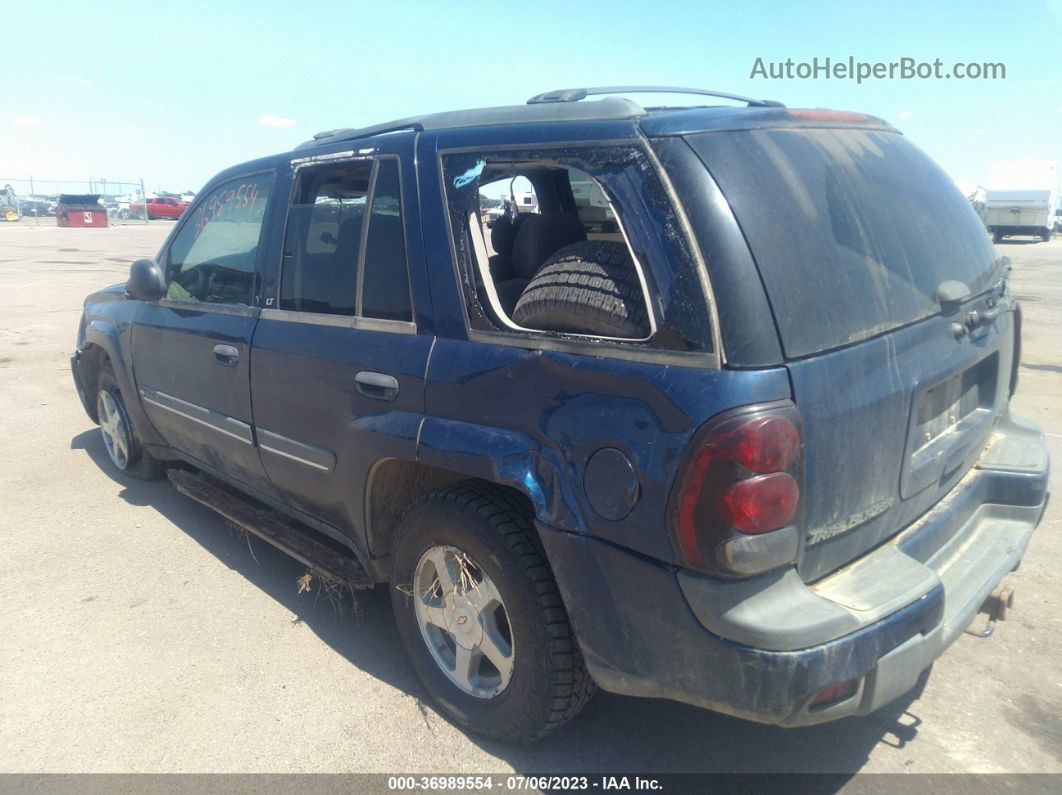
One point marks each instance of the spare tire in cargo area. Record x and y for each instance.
(590, 287)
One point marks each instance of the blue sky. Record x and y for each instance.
(174, 92)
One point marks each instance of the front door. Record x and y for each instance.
(337, 365)
(191, 349)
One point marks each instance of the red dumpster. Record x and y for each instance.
(80, 210)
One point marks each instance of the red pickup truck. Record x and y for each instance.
(159, 207)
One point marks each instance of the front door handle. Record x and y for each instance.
(227, 355)
(377, 385)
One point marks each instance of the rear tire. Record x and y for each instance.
(590, 287)
(997, 237)
(509, 601)
(120, 438)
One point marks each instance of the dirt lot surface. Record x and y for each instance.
(139, 633)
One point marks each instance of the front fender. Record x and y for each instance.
(112, 339)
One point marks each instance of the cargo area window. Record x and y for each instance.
(862, 230)
(344, 248)
(544, 249)
(212, 259)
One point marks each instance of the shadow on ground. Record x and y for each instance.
(613, 734)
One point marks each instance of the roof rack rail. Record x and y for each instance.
(609, 108)
(576, 94)
(364, 132)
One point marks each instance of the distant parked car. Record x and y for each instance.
(118, 209)
(36, 207)
(158, 207)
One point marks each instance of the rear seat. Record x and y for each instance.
(537, 238)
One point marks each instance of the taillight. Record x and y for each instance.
(736, 502)
(760, 504)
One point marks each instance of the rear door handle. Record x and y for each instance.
(227, 355)
(377, 385)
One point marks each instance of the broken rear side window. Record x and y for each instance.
(540, 238)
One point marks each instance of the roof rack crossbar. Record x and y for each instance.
(576, 94)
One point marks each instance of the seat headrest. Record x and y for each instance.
(502, 236)
(540, 236)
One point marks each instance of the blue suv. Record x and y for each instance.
(716, 409)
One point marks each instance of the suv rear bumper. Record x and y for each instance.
(763, 648)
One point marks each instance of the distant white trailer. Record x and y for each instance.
(1022, 199)
(1021, 212)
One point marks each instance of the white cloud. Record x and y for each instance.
(904, 114)
(275, 121)
(29, 121)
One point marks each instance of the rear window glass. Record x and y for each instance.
(852, 230)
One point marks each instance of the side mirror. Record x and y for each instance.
(146, 281)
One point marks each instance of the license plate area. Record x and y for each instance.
(949, 416)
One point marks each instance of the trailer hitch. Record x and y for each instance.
(995, 607)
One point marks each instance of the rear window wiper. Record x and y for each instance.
(952, 293)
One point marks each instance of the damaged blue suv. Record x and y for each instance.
(707, 403)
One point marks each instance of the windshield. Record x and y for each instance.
(852, 230)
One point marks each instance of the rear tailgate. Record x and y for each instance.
(854, 231)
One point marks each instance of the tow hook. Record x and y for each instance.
(995, 607)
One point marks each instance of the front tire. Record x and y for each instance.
(120, 438)
(480, 616)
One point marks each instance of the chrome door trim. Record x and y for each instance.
(340, 321)
(286, 447)
(236, 310)
(214, 420)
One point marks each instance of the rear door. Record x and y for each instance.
(873, 263)
(191, 350)
(338, 362)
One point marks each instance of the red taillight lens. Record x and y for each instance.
(760, 504)
(743, 480)
(764, 444)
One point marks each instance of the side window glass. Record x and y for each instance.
(385, 280)
(212, 258)
(323, 239)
